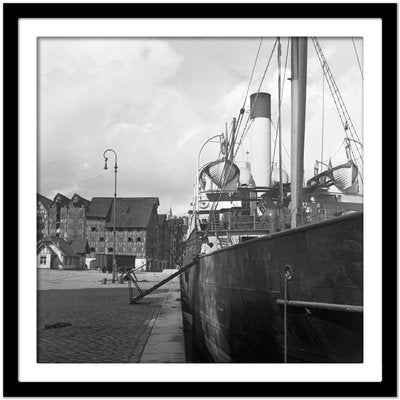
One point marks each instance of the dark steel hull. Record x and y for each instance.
(233, 296)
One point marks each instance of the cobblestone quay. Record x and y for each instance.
(80, 320)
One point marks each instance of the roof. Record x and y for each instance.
(80, 199)
(61, 198)
(64, 247)
(161, 218)
(79, 245)
(133, 212)
(45, 201)
(99, 207)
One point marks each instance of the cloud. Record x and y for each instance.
(155, 102)
(96, 94)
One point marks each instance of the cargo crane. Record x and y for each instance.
(348, 126)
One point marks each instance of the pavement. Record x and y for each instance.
(82, 320)
(166, 341)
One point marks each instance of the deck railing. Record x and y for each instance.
(256, 223)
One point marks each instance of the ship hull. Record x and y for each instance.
(235, 296)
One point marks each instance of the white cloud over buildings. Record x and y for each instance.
(155, 101)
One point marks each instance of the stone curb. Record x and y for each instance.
(166, 341)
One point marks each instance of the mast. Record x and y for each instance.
(280, 203)
(298, 94)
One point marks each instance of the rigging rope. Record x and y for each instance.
(358, 60)
(244, 132)
(281, 99)
(275, 141)
(241, 111)
(337, 151)
(215, 204)
(340, 107)
(252, 73)
(323, 119)
(284, 72)
(283, 144)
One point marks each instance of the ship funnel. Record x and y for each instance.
(260, 113)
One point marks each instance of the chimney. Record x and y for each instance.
(260, 113)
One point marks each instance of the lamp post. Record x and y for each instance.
(198, 166)
(114, 267)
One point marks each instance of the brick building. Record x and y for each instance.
(136, 229)
(43, 216)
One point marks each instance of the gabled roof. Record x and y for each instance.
(79, 200)
(60, 198)
(161, 219)
(80, 245)
(64, 247)
(44, 200)
(132, 212)
(99, 207)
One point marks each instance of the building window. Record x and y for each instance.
(101, 239)
(129, 239)
(42, 259)
(92, 249)
(110, 249)
(139, 239)
(93, 229)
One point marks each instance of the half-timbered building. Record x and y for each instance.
(43, 216)
(136, 229)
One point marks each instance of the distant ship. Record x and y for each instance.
(278, 265)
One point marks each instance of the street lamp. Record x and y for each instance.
(198, 162)
(114, 267)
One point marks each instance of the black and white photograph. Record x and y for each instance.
(208, 198)
(200, 200)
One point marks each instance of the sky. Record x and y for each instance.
(156, 101)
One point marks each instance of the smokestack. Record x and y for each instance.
(260, 113)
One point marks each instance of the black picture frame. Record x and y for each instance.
(12, 12)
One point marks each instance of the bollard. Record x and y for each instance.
(104, 281)
(121, 279)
